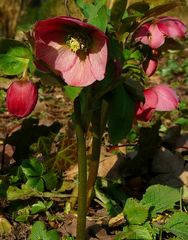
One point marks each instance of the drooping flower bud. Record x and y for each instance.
(21, 98)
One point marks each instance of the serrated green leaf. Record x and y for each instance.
(178, 225)
(121, 115)
(135, 232)
(160, 198)
(135, 211)
(32, 167)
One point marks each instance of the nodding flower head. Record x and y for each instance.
(154, 33)
(157, 98)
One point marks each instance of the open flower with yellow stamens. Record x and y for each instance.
(75, 50)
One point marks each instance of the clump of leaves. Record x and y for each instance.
(154, 215)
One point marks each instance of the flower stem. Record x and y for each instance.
(82, 172)
(98, 126)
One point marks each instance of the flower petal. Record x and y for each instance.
(156, 38)
(150, 66)
(167, 98)
(172, 27)
(98, 56)
(46, 53)
(65, 59)
(80, 74)
(145, 110)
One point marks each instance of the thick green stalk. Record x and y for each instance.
(82, 173)
(98, 126)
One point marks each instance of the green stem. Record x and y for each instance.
(98, 126)
(82, 172)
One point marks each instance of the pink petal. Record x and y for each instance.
(172, 27)
(145, 110)
(150, 66)
(98, 56)
(167, 98)
(65, 59)
(80, 74)
(46, 53)
(60, 60)
(156, 38)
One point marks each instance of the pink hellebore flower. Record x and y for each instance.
(157, 98)
(21, 98)
(154, 33)
(71, 48)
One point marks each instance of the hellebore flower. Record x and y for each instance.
(154, 33)
(150, 66)
(157, 98)
(21, 98)
(75, 50)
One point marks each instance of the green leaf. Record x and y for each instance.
(52, 234)
(182, 121)
(101, 19)
(111, 206)
(50, 180)
(23, 214)
(135, 211)
(36, 182)
(40, 207)
(118, 10)
(5, 226)
(72, 92)
(138, 7)
(15, 57)
(39, 232)
(160, 198)
(160, 9)
(15, 193)
(178, 225)
(121, 114)
(135, 232)
(32, 167)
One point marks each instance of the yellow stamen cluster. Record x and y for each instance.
(77, 41)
